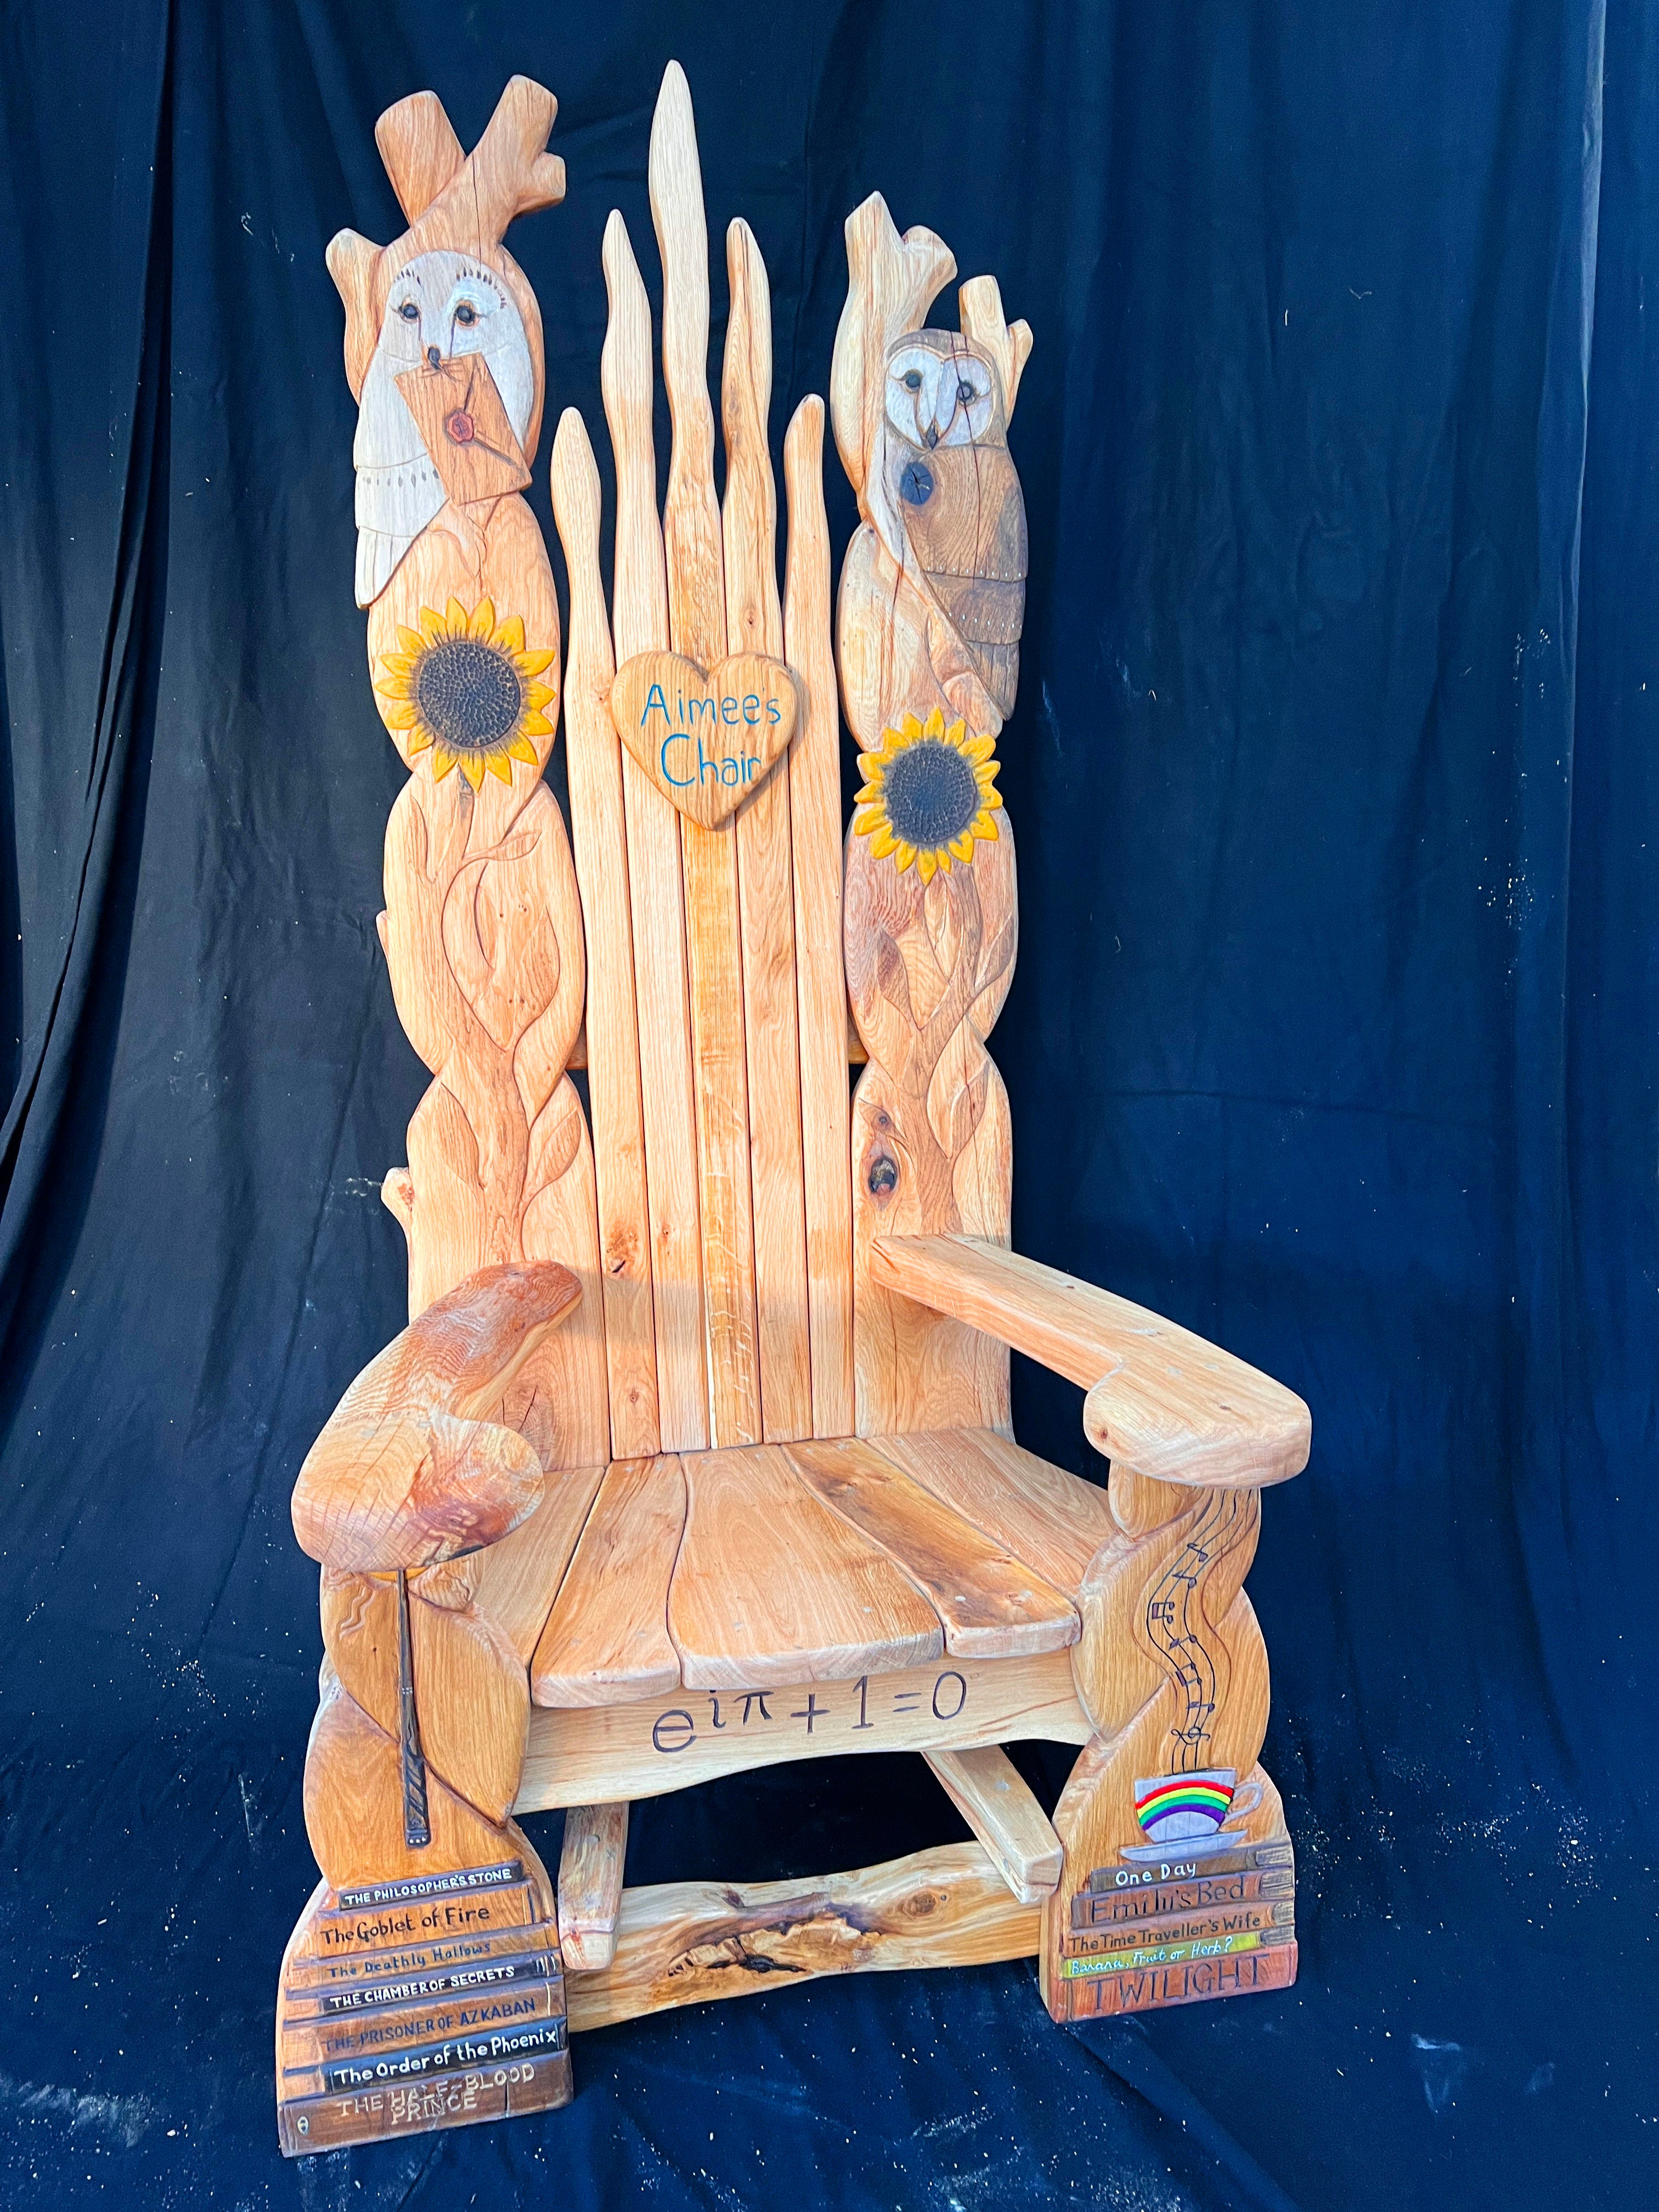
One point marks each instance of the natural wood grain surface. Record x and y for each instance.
(519, 1578)
(755, 620)
(415, 1464)
(697, 605)
(590, 1885)
(820, 979)
(470, 1688)
(773, 1587)
(1161, 1402)
(686, 1942)
(353, 1803)
(986, 1789)
(594, 765)
(992, 1605)
(577, 1754)
(607, 1639)
(639, 624)
(1054, 1521)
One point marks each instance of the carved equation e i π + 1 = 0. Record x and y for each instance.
(667, 1743)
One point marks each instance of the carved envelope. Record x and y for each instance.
(460, 416)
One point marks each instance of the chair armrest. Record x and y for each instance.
(415, 1464)
(1162, 1401)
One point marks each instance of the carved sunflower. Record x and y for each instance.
(929, 793)
(466, 687)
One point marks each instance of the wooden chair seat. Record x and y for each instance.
(763, 1566)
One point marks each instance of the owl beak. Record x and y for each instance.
(433, 358)
(930, 436)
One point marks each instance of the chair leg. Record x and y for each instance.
(590, 1885)
(1179, 1878)
(422, 1987)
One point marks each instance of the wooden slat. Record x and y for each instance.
(991, 1604)
(1162, 1401)
(613, 1019)
(607, 1639)
(1055, 1521)
(684, 1943)
(773, 1587)
(696, 607)
(754, 624)
(590, 1885)
(519, 1578)
(986, 1789)
(820, 978)
(577, 1754)
(639, 623)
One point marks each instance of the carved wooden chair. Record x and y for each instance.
(696, 1452)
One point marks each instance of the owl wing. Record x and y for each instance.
(398, 489)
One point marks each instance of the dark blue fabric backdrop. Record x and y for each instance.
(1334, 1036)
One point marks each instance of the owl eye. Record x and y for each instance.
(913, 379)
(965, 392)
(409, 311)
(466, 314)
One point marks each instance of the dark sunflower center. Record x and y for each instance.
(932, 793)
(469, 694)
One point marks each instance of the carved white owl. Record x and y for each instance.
(940, 399)
(440, 306)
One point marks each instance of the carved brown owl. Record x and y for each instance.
(951, 483)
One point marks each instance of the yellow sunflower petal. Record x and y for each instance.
(392, 687)
(442, 761)
(410, 639)
(963, 847)
(882, 843)
(986, 776)
(926, 863)
(536, 696)
(419, 740)
(980, 749)
(984, 828)
(473, 769)
(510, 635)
(868, 794)
(454, 618)
(867, 818)
(934, 725)
(400, 718)
(989, 800)
(535, 726)
(482, 624)
(532, 663)
(398, 664)
(907, 855)
(499, 767)
(434, 628)
(956, 735)
(874, 765)
(909, 728)
(521, 749)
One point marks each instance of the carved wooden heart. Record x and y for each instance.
(706, 742)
